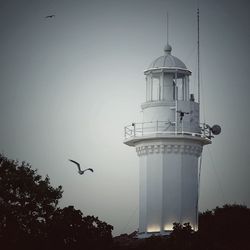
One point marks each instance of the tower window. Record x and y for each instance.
(155, 94)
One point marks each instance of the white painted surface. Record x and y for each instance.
(143, 194)
(168, 183)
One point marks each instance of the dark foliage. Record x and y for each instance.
(225, 228)
(181, 236)
(27, 203)
(70, 230)
(30, 218)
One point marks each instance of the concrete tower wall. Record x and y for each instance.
(160, 112)
(168, 184)
(166, 111)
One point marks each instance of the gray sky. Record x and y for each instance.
(71, 83)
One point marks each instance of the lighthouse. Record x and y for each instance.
(169, 142)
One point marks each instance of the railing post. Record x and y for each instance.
(157, 126)
(142, 128)
(176, 116)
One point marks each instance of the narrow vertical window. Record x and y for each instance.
(148, 88)
(174, 90)
(156, 89)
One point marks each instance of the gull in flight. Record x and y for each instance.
(50, 16)
(79, 167)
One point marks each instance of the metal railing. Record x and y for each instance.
(163, 127)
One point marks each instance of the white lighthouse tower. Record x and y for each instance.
(169, 142)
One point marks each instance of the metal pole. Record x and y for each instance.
(198, 48)
(176, 94)
(176, 116)
(151, 88)
(167, 29)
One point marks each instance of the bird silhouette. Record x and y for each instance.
(79, 167)
(50, 16)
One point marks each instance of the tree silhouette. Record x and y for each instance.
(69, 229)
(31, 219)
(223, 228)
(226, 227)
(181, 236)
(27, 203)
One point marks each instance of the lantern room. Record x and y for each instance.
(167, 79)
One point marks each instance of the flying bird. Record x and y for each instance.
(50, 16)
(79, 167)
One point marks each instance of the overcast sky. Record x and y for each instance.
(70, 84)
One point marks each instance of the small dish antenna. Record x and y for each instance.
(216, 129)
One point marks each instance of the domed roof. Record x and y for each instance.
(167, 61)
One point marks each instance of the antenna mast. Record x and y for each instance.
(167, 29)
(198, 48)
